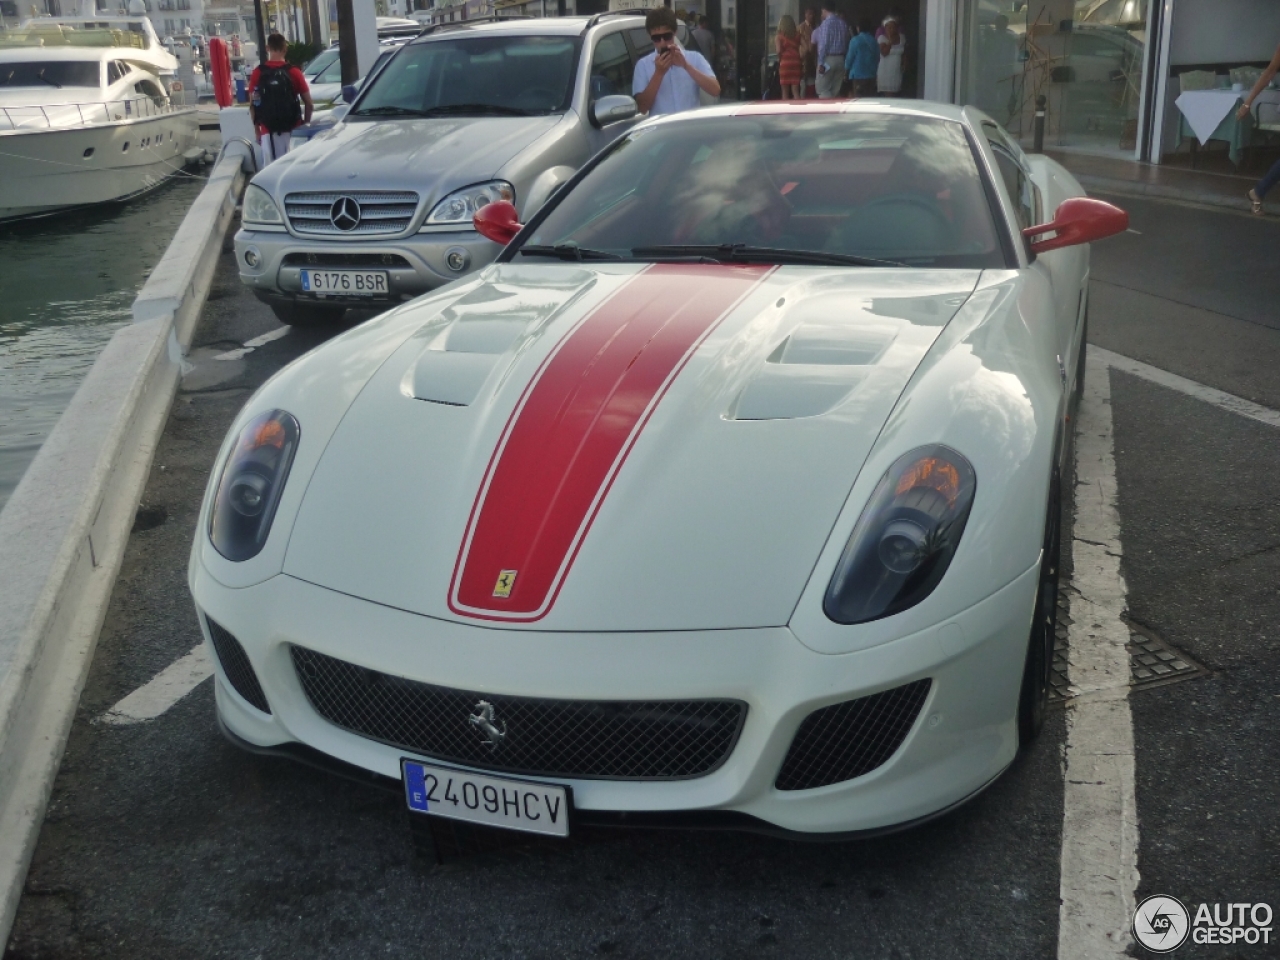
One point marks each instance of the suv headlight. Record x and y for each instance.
(259, 207)
(251, 483)
(461, 205)
(905, 539)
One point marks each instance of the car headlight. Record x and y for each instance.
(259, 207)
(905, 539)
(251, 483)
(461, 205)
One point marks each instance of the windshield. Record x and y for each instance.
(869, 186)
(52, 73)
(476, 76)
(319, 69)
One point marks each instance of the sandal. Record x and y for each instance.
(1255, 202)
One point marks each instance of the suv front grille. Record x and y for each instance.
(382, 213)
(850, 739)
(601, 739)
(311, 259)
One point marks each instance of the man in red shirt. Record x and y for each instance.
(275, 89)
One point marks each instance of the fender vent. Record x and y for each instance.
(847, 740)
(235, 664)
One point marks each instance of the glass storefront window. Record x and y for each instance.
(1084, 56)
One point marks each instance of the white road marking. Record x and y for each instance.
(1100, 815)
(164, 690)
(251, 345)
(1219, 398)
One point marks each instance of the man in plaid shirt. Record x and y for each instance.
(832, 40)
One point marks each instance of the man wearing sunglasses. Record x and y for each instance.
(668, 80)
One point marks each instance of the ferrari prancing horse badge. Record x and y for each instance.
(506, 580)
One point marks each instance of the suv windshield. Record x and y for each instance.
(475, 76)
(319, 69)
(800, 188)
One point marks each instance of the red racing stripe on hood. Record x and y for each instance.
(573, 428)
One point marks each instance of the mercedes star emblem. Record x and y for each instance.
(345, 213)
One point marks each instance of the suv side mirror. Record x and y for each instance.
(349, 93)
(611, 109)
(1078, 220)
(497, 221)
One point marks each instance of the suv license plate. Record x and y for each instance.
(492, 801)
(345, 283)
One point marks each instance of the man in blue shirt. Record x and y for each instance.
(668, 80)
(832, 41)
(863, 58)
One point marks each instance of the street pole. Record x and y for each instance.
(262, 32)
(347, 53)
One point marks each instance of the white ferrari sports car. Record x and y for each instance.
(728, 496)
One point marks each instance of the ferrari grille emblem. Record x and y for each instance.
(485, 721)
(506, 580)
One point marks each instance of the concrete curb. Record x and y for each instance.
(1156, 191)
(64, 530)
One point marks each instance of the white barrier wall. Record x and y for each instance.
(64, 530)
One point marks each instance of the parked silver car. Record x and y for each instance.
(378, 209)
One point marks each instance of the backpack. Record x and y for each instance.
(278, 110)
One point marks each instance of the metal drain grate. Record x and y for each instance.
(1152, 662)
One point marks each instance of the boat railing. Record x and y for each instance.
(67, 115)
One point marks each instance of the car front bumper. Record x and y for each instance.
(963, 737)
(414, 265)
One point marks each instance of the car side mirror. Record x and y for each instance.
(1078, 220)
(497, 221)
(349, 93)
(611, 109)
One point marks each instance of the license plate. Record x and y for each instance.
(493, 801)
(345, 283)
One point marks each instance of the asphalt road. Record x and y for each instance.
(164, 841)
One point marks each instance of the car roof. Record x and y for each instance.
(536, 26)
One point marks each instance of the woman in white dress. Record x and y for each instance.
(893, 47)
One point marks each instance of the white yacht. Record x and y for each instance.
(85, 114)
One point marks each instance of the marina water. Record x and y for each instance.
(66, 285)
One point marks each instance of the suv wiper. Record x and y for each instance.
(43, 79)
(455, 109)
(390, 111)
(568, 251)
(743, 253)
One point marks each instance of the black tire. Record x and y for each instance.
(305, 314)
(1033, 700)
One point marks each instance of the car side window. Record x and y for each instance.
(1016, 182)
(640, 42)
(611, 68)
(114, 71)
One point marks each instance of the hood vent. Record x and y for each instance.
(812, 371)
(454, 368)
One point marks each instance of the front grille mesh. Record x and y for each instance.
(616, 740)
(847, 740)
(312, 259)
(235, 664)
(382, 213)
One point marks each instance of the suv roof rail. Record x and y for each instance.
(466, 23)
(633, 12)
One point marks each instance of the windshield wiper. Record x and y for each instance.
(43, 79)
(568, 251)
(744, 253)
(390, 111)
(455, 109)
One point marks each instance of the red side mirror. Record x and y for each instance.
(1079, 220)
(498, 222)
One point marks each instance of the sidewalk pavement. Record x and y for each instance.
(1158, 181)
